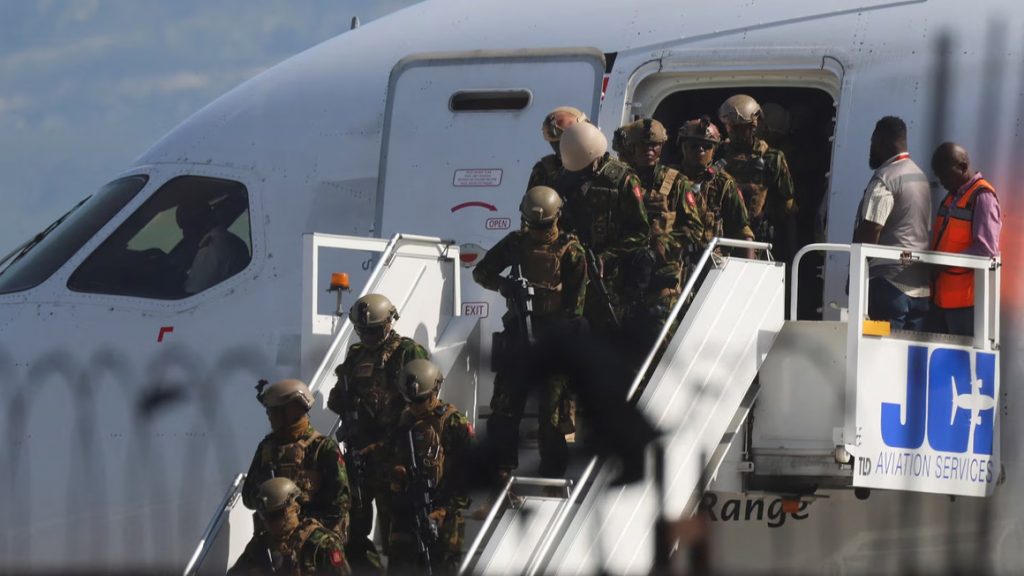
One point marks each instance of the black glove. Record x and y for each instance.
(508, 287)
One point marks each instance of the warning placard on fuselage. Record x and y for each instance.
(927, 418)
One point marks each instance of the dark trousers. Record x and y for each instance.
(887, 302)
(554, 420)
(958, 321)
(360, 550)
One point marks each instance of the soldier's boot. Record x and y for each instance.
(554, 422)
(503, 441)
(554, 451)
(503, 438)
(360, 550)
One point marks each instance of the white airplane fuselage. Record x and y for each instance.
(126, 417)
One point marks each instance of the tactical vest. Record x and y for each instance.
(541, 264)
(749, 171)
(714, 224)
(597, 220)
(286, 557)
(374, 396)
(290, 461)
(953, 232)
(428, 441)
(656, 200)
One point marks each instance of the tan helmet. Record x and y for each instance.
(420, 378)
(276, 493)
(558, 120)
(372, 310)
(284, 391)
(702, 129)
(739, 109)
(541, 205)
(581, 145)
(645, 131)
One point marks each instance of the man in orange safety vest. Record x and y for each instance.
(968, 222)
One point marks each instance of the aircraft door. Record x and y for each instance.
(461, 134)
(463, 131)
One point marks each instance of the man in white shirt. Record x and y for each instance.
(896, 210)
(219, 254)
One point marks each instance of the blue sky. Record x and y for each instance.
(87, 85)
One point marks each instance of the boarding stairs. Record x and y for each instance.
(420, 275)
(731, 347)
(818, 387)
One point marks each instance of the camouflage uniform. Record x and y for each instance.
(546, 172)
(372, 374)
(442, 439)
(315, 464)
(674, 211)
(763, 177)
(310, 549)
(607, 213)
(557, 270)
(724, 214)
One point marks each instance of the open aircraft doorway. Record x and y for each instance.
(800, 122)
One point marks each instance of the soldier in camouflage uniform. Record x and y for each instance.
(548, 170)
(725, 215)
(553, 263)
(288, 543)
(606, 211)
(367, 398)
(762, 174)
(436, 437)
(295, 450)
(677, 231)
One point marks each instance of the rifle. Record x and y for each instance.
(517, 337)
(420, 492)
(520, 303)
(597, 282)
(593, 272)
(355, 463)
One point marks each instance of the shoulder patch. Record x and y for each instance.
(637, 192)
(690, 198)
(336, 557)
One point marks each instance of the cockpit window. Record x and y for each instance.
(51, 248)
(191, 235)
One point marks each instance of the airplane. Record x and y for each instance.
(128, 390)
(975, 402)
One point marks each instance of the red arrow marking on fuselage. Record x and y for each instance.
(164, 330)
(477, 204)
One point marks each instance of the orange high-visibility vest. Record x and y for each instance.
(953, 231)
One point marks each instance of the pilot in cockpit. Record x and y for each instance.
(215, 253)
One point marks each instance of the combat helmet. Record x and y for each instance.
(739, 109)
(282, 392)
(541, 206)
(558, 120)
(420, 378)
(645, 131)
(701, 129)
(581, 144)
(371, 317)
(276, 494)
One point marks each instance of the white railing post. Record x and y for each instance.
(858, 301)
